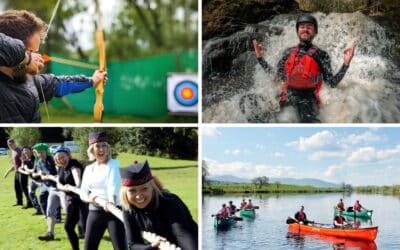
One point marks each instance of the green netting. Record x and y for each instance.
(136, 87)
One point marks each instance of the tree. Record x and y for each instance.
(260, 181)
(277, 183)
(25, 136)
(204, 172)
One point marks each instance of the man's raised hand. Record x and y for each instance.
(349, 53)
(258, 48)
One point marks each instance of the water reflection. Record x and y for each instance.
(268, 230)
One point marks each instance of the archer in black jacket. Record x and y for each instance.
(21, 88)
(147, 208)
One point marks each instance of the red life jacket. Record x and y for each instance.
(302, 72)
(301, 216)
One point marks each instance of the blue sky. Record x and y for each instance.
(359, 156)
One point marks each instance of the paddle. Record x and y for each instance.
(236, 218)
(291, 220)
(254, 207)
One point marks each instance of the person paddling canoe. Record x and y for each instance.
(303, 68)
(340, 205)
(249, 205)
(339, 221)
(301, 216)
(358, 207)
(231, 208)
(243, 204)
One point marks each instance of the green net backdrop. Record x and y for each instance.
(136, 87)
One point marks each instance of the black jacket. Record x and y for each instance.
(12, 51)
(170, 219)
(20, 101)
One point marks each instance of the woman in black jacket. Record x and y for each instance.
(148, 207)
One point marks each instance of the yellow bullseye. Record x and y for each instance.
(187, 93)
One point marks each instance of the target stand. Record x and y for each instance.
(182, 94)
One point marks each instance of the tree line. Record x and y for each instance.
(171, 143)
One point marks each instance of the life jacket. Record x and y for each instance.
(357, 207)
(302, 72)
(223, 213)
(340, 205)
(300, 216)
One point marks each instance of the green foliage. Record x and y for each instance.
(388, 190)
(166, 142)
(141, 28)
(220, 188)
(152, 27)
(25, 136)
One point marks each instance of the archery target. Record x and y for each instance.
(182, 93)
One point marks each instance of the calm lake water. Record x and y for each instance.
(270, 231)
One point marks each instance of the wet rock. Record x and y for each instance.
(223, 18)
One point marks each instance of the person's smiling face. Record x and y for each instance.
(140, 196)
(306, 32)
(100, 151)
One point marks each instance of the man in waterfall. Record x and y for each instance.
(302, 69)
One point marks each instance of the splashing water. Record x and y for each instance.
(364, 95)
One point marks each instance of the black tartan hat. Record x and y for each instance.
(95, 137)
(136, 174)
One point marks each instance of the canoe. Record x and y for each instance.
(339, 243)
(362, 214)
(223, 223)
(367, 234)
(250, 213)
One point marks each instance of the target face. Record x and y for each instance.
(186, 93)
(182, 93)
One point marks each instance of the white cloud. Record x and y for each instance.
(236, 152)
(211, 131)
(249, 170)
(260, 147)
(278, 154)
(332, 170)
(370, 154)
(317, 140)
(319, 155)
(365, 137)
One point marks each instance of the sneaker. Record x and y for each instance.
(17, 204)
(46, 237)
(27, 206)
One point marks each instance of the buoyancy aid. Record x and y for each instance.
(302, 72)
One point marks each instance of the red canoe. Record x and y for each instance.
(368, 233)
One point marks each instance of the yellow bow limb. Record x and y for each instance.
(98, 105)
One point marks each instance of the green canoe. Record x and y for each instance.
(223, 223)
(362, 214)
(250, 213)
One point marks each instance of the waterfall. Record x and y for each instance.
(367, 93)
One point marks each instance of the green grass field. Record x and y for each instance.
(20, 229)
(65, 115)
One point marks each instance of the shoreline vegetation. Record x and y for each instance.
(219, 188)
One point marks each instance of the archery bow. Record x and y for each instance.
(98, 105)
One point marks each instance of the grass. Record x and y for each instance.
(20, 229)
(221, 188)
(65, 115)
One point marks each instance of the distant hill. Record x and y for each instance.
(229, 178)
(291, 181)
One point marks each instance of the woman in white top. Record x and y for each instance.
(101, 179)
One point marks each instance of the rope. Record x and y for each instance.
(148, 236)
